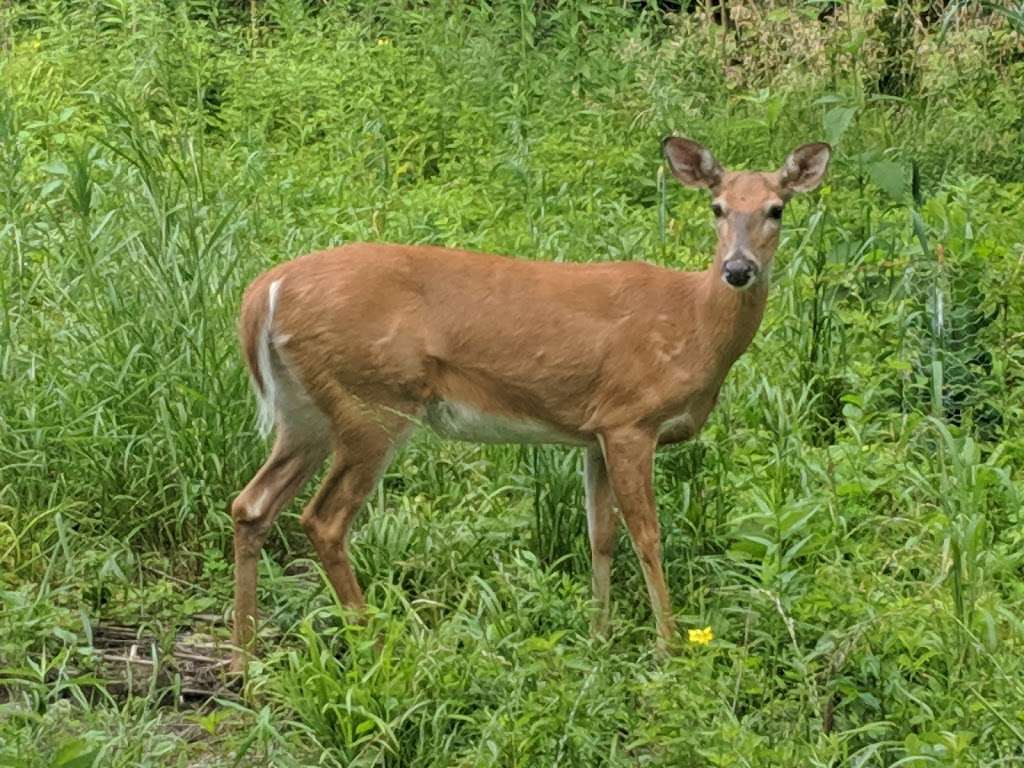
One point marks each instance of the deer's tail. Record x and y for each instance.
(255, 332)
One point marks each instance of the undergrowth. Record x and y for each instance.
(848, 524)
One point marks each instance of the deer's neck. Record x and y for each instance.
(730, 317)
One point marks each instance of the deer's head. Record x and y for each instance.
(747, 205)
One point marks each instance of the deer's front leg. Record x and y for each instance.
(629, 458)
(602, 521)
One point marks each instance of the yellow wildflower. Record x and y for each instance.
(383, 41)
(700, 636)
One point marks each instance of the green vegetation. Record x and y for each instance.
(849, 523)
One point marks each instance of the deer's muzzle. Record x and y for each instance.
(739, 272)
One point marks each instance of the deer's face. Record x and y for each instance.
(748, 216)
(747, 205)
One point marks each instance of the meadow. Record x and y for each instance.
(849, 523)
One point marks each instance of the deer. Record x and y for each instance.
(350, 350)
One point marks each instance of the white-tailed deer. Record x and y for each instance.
(350, 349)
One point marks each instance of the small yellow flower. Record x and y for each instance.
(700, 636)
(383, 41)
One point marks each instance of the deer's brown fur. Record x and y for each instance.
(351, 348)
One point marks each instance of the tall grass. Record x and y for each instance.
(848, 523)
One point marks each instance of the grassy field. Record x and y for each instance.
(849, 523)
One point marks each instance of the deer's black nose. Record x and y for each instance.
(739, 272)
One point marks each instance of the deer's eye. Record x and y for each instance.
(717, 210)
(775, 212)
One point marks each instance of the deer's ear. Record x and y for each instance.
(804, 168)
(691, 163)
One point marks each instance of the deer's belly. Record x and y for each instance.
(458, 421)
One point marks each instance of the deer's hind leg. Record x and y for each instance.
(364, 444)
(293, 460)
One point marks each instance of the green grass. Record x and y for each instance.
(849, 523)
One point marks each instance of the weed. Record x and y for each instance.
(848, 524)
